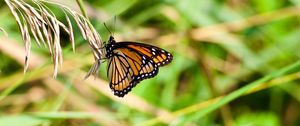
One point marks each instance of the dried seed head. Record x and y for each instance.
(42, 23)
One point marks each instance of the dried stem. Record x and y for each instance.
(82, 9)
(42, 23)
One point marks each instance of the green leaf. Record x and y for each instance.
(116, 7)
(21, 120)
(258, 119)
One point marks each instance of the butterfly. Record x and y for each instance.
(131, 62)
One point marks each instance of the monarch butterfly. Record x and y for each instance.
(131, 62)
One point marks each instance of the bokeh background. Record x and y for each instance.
(220, 47)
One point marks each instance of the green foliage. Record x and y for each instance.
(258, 119)
(226, 55)
(23, 120)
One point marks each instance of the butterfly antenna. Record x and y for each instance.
(115, 20)
(107, 29)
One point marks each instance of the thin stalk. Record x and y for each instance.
(82, 9)
(236, 94)
(204, 108)
(224, 110)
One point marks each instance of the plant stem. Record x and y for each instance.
(204, 108)
(82, 9)
(243, 90)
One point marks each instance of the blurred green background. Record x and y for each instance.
(219, 47)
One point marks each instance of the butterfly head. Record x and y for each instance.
(111, 40)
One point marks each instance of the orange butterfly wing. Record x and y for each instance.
(159, 56)
(131, 63)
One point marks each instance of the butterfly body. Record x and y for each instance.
(131, 62)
